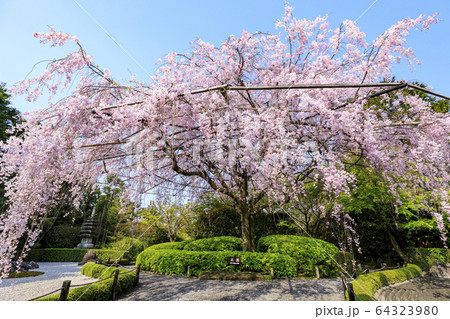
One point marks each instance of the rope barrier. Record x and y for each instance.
(87, 284)
(50, 293)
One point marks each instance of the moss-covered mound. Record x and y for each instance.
(366, 285)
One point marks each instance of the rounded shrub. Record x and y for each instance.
(132, 245)
(169, 261)
(307, 252)
(215, 244)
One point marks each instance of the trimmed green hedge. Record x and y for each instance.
(221, 243)
(171, 261)
(424, 257)
(307, 252)
(366, 285)
(72, 255)
(100, 291)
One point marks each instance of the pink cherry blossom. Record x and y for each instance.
(161, 137)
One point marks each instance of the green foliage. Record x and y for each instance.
(215, 244)
(218, 220)
(307, 252)
(163, 246)
(345, 260)
(56, 255)
(150, 236)
(217, 217)
(180, 245)
(9, 117)
(60, 236)
(72, 255)
(169, 261)
(424, 257)
(366, 285)
(132, 245)
(101, 291)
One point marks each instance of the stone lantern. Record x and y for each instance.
(88, 232)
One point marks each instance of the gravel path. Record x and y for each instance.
(417, 289)
(159, 287)
(52, 279)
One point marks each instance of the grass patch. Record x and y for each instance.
(25, 274)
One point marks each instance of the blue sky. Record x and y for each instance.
(149, 30)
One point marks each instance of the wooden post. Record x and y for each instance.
(115, 282)
(351, 292)
(271, 272)
(138, 270)
(64, 290)
(188, 271)
(344, 285)
(317, 273)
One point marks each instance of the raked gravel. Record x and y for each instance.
(52, 279)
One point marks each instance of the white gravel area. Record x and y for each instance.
(52, 279)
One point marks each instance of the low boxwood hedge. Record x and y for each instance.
(221, 243)
(307, 252)
(72, 255)
(424, 257)
(366, 285)
(100, 291)
(169, 261)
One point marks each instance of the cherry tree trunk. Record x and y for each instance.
(248, 229)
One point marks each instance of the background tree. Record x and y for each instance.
(9, 117)
(244, 144)
(173, 217)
